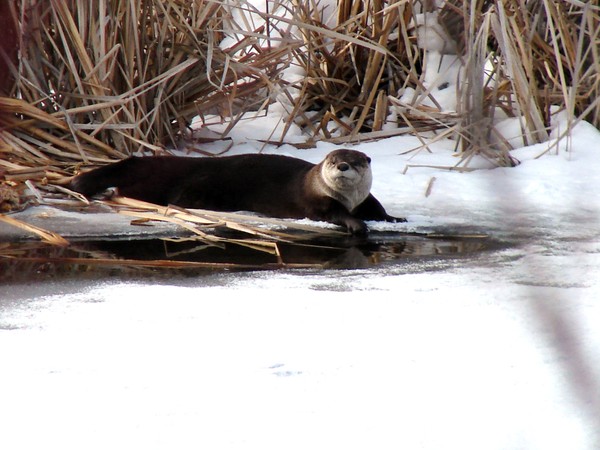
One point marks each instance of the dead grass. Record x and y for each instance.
(97, 81)
(100, 80)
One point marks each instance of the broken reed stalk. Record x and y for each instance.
(47, 236)
(194, 221)
(234, 221)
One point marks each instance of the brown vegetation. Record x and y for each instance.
(96, 83)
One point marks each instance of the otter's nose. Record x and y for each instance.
(342, 167)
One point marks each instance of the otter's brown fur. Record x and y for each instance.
(335, 190)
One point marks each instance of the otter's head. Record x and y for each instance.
(347, 176)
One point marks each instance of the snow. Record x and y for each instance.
(457, 359)
(497, 351)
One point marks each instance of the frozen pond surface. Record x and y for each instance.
(489, 351)
(497, 349)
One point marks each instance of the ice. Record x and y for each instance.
(463, 358)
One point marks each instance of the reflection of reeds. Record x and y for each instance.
(31, 261)
(27, 261)
(100, 80)
(192, 255)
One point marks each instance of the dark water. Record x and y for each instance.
(24, 261)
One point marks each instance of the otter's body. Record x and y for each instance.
(336, 190)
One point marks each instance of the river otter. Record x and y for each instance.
(335, 190)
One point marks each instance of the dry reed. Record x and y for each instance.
(97, 81)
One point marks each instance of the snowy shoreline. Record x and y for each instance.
(497, 351)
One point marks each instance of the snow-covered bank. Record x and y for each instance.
(499, 351)
(553, 186)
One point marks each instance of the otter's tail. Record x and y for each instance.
(99, 180)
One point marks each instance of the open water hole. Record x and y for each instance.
(156, 258)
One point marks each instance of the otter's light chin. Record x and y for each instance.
(346, 182)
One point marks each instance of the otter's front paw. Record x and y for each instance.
(356, 227)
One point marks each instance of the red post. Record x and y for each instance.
(9, 44)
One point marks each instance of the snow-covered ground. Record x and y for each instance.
(498, 351)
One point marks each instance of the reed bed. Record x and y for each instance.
(102, 80)
(98, 81)
(525, 59)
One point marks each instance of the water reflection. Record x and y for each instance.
(33, 260)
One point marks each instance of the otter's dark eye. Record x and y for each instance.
(368, 160)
